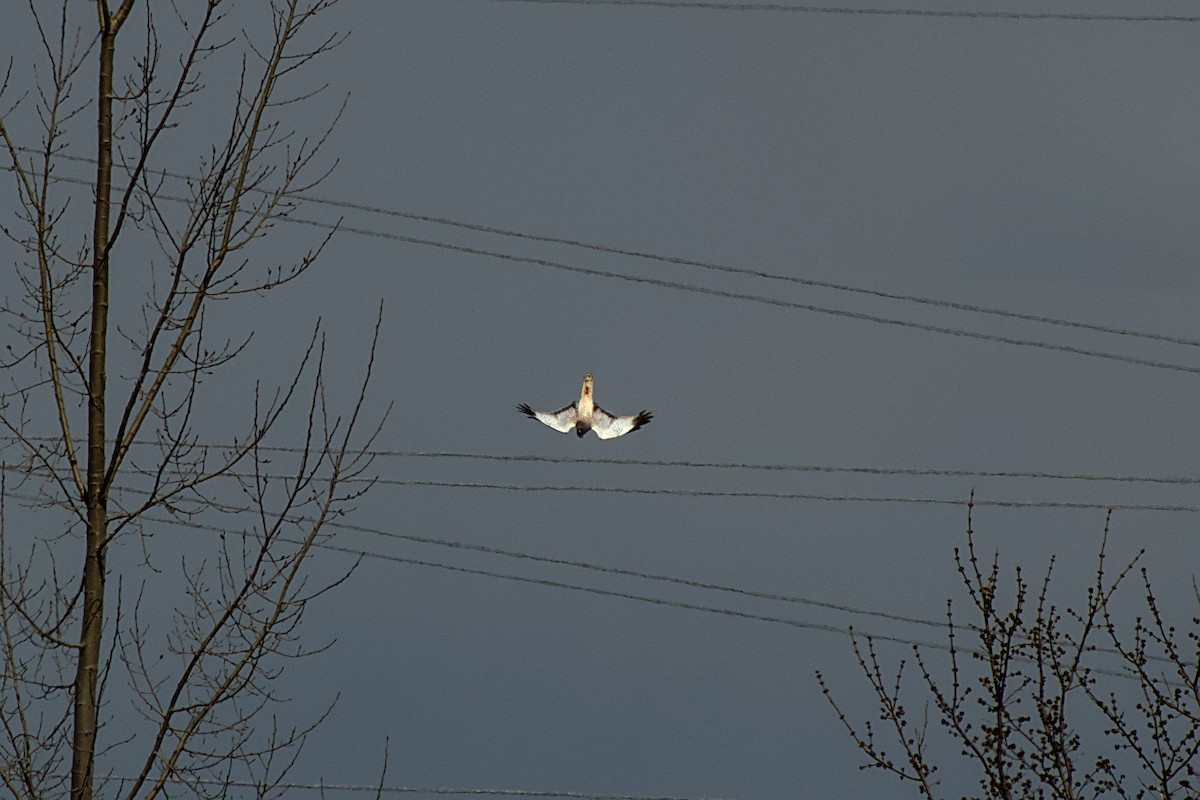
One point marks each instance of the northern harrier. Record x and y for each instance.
(585, 415)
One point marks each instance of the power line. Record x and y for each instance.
(708, 265)
(794, 496)
(718, 493)
(772, 301)
(848, 631)
(593, 567)
(774, 276)
(727, 612)
(650, 576)
(347, 787)
(605, 569)
(1177, 480)
(520, 555)
(721, 268)
(890, 12)
(362, 553)
(734, 465)
(754, 495)
(584, 565)
(516, 554)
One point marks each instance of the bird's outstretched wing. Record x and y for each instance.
(562, 420)
(607, 426)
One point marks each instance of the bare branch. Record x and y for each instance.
(205, 687)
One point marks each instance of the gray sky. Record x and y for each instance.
(1047, 167)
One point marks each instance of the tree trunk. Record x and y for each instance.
(88, 665)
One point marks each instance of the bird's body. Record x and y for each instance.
(586, 408)
(584, 415)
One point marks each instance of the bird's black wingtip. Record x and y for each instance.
(642, 418)
(526, 410)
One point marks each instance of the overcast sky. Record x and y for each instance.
(1046, 167)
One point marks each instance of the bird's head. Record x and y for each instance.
(581, 429)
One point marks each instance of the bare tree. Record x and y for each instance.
(1044, 702)
(104, 432)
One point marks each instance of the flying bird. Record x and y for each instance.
(585, 415)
